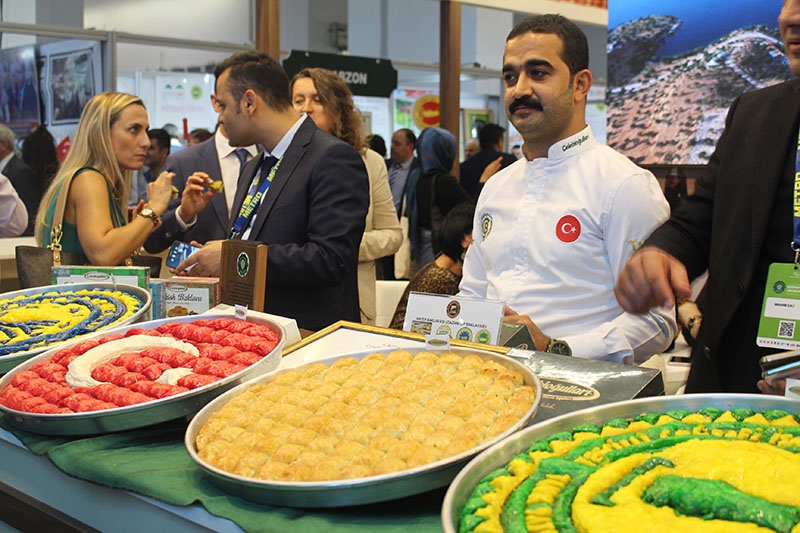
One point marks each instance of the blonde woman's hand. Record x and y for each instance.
(159, 192)
(136, 210)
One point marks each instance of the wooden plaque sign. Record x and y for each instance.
(243, 273)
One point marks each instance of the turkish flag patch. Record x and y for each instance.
(568, 229)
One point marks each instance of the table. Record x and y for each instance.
(58, 501)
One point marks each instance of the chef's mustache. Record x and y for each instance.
(526, 101)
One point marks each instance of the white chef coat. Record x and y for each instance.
(550, 238)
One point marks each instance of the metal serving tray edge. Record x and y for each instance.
(353, 491)
(140, 415)
(498, 455)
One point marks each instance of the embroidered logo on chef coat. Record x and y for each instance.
(635, 244)
(568, 229)
(486, 225)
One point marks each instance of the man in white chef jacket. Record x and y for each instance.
(553, 230)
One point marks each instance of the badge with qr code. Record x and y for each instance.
(780, 313)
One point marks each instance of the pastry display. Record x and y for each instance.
(141, 365)
(385, 413)
(37, 320)
(709, 470)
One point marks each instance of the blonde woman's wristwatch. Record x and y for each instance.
(148, 212)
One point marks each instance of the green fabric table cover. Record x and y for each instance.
(154, 462)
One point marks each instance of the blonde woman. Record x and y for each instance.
(324, 97)
(110, 143)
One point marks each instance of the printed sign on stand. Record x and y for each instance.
(464, 319)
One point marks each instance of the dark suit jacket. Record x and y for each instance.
(28, 185)
(212, 222)
(312, 218)
(723, 226)
(471, 169)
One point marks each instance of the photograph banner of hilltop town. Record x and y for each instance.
(675, 67)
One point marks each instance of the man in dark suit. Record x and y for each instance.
(309, 207)
(211, 160)
(490, 138)
(29, 187)
(737, 224)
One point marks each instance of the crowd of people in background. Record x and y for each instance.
(572, 236)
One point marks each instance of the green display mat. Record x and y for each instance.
(154, 462)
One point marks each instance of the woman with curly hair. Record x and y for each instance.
(324, 97)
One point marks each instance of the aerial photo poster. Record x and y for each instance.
(675, 67)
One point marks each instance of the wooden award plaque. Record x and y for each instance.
(243, 274)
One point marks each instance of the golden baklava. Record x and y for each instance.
(354, 419)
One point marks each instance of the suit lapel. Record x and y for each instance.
(294, 154)
(779, 119)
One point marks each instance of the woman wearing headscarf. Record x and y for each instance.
(325, 97)
(434, 194)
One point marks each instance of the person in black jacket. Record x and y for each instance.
(490, 138)
(435, 193)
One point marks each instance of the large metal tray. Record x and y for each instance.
(144, 414)
(352, 491)
(7, 362)
(500, 454)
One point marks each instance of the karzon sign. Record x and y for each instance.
(366, 76)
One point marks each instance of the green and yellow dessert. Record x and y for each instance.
(710, 470)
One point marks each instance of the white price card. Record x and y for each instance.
(464, 319)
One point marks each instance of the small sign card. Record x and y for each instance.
(465, 319)
(780, 313)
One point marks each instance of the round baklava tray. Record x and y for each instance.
(361, 428)
(699, 432)
(138, 375)
(36, 319)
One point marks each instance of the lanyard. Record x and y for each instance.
(253, 198)
(796, 206)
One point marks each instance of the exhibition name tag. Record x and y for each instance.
(780, 312)
(464, 319)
